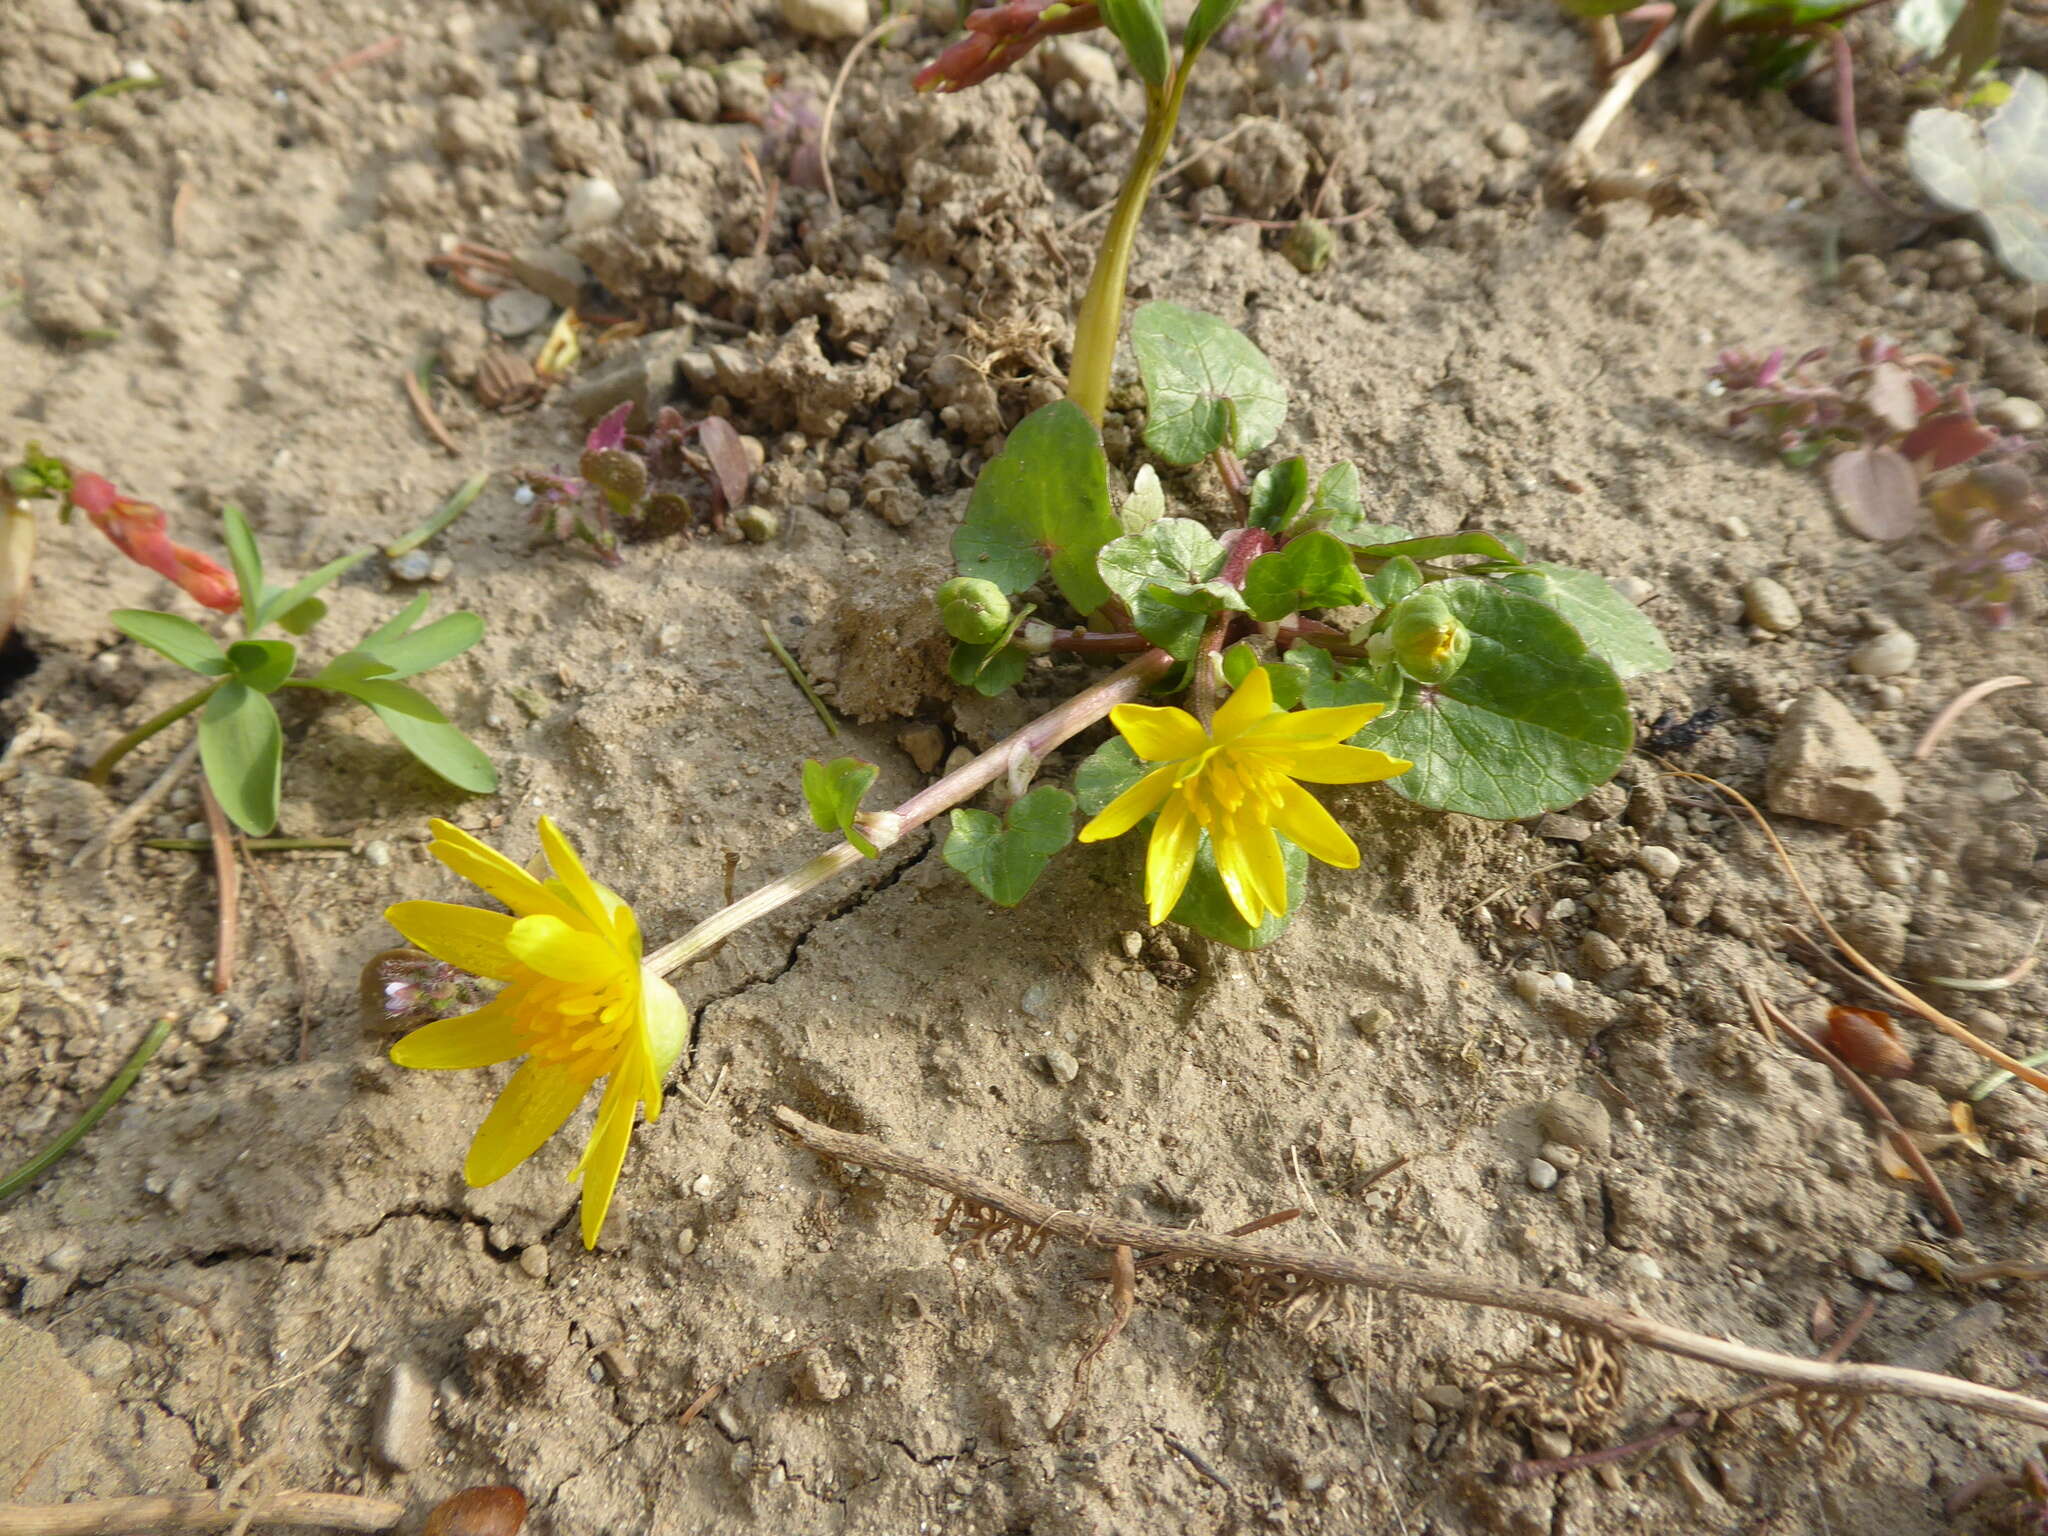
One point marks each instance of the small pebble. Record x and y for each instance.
(1550, 1444)
(1133, 943)
(413, 565)
(208, 1026)
(1061, 1065)
(2000, 787)
(377, 853)
(1867, 1264)
(404, 1427)
(686, 1241)
(1577, 1120)
(516, 312)
(1510, 141)
(1658, 862)
(702, 1186)
(1891, 654)
(2016, 413)
(1640, 1266)
(826, 18)
(1561, 1157)
(759, 524)
(591, 204)
(1541, 1174)
(1769, 606)
(1733, 528)
(924, 744)
(533, 1260)
(1038, 999)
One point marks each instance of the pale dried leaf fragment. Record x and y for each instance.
(1997, 169)
(1877, 491)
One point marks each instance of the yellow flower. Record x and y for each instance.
(577, 1004)
(1237, 783)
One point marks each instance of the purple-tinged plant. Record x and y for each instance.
(647, 485)
(790, 131)
(1272, 39)
(1887, 428)
(998, 36)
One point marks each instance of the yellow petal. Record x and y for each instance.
(1245, 708)
(1170, 858)
(480, 1039)
(1159, 735)
(1305, 822)
(530, 1110)
(490, 871)
(1340, 765)
(1240, 883)
(469, 938)
(1312, 727)
(562, 952)
(1130, 807)
(606, 1153)
(576, 881)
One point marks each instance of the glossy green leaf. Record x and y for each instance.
(247, 562)
(1312, 571)
(1613, 628)
(1140, 27)
(987, 669)
(1338, 508)
(241, 749)
(1211, 17)
(1287, 681)
(175, 638)
(1003, 858)
(422, 730)
(834, 790)
(277, 605)
(1044, 500)
(397, 624)
(262, 664)
(297, 620)
(1167, 578)
(1393, 581)
(1532, 722)
(1278, 492)
(1502, 547)
(1206, 386)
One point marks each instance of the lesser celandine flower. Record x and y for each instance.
(577, 1004)
(1237, 782)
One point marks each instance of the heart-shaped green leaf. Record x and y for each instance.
(1206, 386)
(1393, 581)
(262, 664)
(1614, 628)
(1278, 492)
(1003, 859)
(833, 791)
(175, 638)
(1166, 576)
(1044, 500)
(1312, 571)
(241, 750)
(988, 669)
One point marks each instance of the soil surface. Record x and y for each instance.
(264, 1266)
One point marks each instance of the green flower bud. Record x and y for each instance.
(974, 611)
(1429, 642)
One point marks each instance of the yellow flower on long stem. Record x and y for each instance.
(1237, 782)
(577, 1004)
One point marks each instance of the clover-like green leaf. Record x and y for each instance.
(1614, 628)
(1166, 576)
(1043, 500)
(1003, 858)
(833, 791)
(241, 750)
(262, 664)
(1997, 170)
(1141, 28)
(177, 639)
(1278, 492)
(1312, 571)
(1206, 386)
(1532, 722)
(1393, 581)
(988, 669)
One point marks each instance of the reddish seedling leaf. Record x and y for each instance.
(1877, 491)
(1944, 441)
(728, 457)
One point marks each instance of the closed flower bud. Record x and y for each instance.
(1429, 641)
(974, 611)
(620, 475)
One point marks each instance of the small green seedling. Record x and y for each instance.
(241, 741)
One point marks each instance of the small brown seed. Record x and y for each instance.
(1869, 1042)
(498, 1511)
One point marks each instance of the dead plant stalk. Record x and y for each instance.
(1603, 1319)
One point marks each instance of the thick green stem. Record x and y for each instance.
(1100, 322)
(103, 769)
(1029, 747)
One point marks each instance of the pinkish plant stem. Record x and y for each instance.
(1025, 749)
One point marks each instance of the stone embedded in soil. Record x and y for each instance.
(515, 313)
(1510, 141)
(1068, 58)
(2015, 413)
(1061, 1065)
(403, 1435)
(592, 203)
(1540, 1174)
(819, 1379)
(1769, 606)
(1827, 767)
(826, 19)
(1891, 654)
(1658, 862)
(1577, 1120)
(924, 744)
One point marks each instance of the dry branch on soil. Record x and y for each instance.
(1602, 1319)
(199, 1512)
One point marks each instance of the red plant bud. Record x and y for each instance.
(1869, 1042)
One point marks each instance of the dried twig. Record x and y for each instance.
(227, 869)
(155, 1513)
(1123, 1296)
(117, 830)
(1578, 154)
(867, 40)
(1894, 1132)
(423, 408)
(704, 1399)
(1953, 710)
(1886, 983)
(1602, 1319)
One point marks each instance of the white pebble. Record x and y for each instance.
(377, 853)
(1541, 1175)
(592, 203)
(1769, 606)
(1891, 654)
(1658, 862)
(826, 18)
